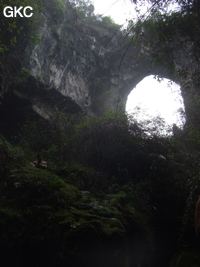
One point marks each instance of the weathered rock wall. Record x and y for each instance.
(91, 67)
(94, 67)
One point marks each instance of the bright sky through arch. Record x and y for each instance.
(157, 99)
(162, 99)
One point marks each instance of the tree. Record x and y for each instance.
(167, 35)
(17, 30)
(84, 8)
(184, 6)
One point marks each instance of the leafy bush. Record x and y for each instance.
(85, 12)
(10, 157)
(56, 9)
(108, 23)
(85, 9)
(14, 28)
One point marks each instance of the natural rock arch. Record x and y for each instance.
(94, 69)
(90, 67)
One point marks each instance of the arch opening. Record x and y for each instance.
(156, 106)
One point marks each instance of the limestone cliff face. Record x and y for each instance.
(77, 66)
(91, 66)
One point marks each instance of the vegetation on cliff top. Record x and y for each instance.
(20, 31)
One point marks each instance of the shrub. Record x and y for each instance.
(10, 157)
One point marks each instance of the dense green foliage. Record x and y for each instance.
(156, 179)
(17, 31)
(10, 158)
(176, 40)
(179, 26)
(85, 12)
(42, 215)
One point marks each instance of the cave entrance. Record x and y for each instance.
(157, 106)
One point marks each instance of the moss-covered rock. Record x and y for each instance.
(45, 221)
